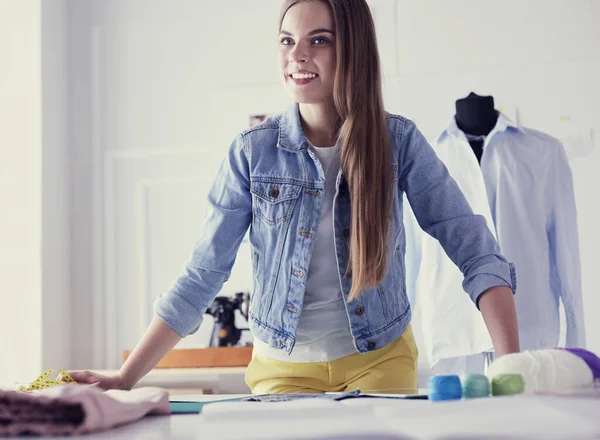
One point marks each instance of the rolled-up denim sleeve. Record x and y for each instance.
(228, 216)
(443, 212)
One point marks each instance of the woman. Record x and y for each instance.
(321, 188)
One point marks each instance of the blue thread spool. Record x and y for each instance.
(444, 388)
(475, 385)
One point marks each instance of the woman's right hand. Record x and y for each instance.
(114, 382)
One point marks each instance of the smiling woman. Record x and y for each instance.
(320, 186)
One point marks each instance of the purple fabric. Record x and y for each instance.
(590, 358)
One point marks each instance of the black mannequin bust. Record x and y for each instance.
(476, 115)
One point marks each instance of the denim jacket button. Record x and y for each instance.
(274, 193)
(371, 345)
(359, 310)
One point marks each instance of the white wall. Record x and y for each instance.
(160, 94)
(34, 220)
(56, 288)
(20, 191)
(159, 90)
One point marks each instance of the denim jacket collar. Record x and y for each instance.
(291, 134)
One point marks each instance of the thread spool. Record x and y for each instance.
(474, 386)
(507, 384)
(444, 388)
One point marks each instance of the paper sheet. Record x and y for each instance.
(516, 417)
(308, 408)
(298, 419)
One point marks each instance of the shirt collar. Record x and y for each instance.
(291, 135)
(503, 124)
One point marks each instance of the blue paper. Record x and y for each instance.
(183, 407)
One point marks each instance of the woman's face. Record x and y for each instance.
(307, 52)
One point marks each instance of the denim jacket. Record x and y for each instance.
(273, 184)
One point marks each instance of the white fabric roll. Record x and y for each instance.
(545, 370)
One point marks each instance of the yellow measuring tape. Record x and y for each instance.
(43, 382)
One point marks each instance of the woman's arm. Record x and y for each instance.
(444, 213)
(158, 340)
(180, 310)
(227, 218)
(498, 309)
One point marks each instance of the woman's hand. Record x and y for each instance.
(114, 382)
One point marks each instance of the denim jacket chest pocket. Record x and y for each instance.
(274, 202)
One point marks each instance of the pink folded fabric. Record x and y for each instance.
(76, 409)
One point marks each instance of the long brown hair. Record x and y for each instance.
(366, 156)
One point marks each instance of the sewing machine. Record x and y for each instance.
(225, 333)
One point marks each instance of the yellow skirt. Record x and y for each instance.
(391, 369)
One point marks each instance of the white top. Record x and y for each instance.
(524, 190)
(323, 333)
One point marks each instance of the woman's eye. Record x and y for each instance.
(286, 41)
(320, 40)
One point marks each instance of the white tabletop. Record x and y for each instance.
(433, 416)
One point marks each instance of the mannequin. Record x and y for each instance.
(476, 117)
(519, 164)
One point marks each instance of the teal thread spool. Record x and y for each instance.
(474, 386)
(507, 384)
(444, 388)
